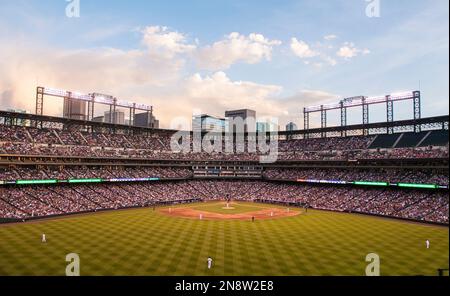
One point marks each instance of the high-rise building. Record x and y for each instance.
(262, 127)
(115, 117)
(74, 109)
(248, 116)
(146, 119)
(265, 127)
(291, 127)
(207, 123)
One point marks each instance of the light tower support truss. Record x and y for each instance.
(343, 118)
(365, 102)
(306, 121)
(323, 119)
(389, 113)
(365, 118)
(91, 99)
(417, 110)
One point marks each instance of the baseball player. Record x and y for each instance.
(210, 262)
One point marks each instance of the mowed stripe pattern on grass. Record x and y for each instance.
(146, 242)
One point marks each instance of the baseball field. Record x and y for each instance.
(178, 240)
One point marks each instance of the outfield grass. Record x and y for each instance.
(146, 242)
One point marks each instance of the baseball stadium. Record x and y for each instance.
(127, 203)
(229, 147)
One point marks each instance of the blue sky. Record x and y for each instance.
(120, 47)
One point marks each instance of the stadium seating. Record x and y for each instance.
(82, 172)
(25, 202)
(31, 201)
(427, 176)
(52, 142)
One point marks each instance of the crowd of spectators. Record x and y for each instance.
(31, 201)
(55, 142)
(391, 175)
(83, 172)
(327, 144)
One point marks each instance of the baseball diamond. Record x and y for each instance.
(151, 241)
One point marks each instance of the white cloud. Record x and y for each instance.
(160, 40)
(302, 49)
(134, 75)
(226, 92)
(322, 54)
(151, 74)
(235, 48)
(348, 51)
(319, 55)
(330, 37)
(216, 93)
(107, 70)
(329, 60)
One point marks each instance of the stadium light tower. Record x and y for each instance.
(91, 99)
(365, 102)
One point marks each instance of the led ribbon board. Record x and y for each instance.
(132, 179)
(85, 180)
(366, 183)
(35, 182)
(322, 181)
(412, 185)
(97, 180)
(94, 180)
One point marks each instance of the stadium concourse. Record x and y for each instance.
(59, 167)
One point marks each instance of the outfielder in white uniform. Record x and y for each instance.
(210, 262)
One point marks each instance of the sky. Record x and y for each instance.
(208, 56)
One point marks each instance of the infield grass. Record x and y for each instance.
(235, 208)
(147, 242)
